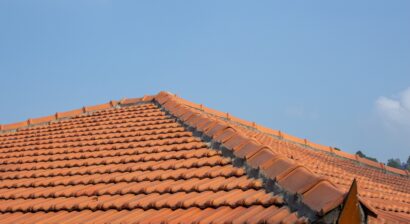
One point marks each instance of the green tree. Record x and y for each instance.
(361, 154)
(394, 163)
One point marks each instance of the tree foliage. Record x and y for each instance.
(361, 154)
(394, 163)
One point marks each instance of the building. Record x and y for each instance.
(163, 159)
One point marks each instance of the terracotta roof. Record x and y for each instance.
(164, 159)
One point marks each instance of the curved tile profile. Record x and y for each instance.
(126, 162)
(319, 175)
(257, 155)
(163, 159)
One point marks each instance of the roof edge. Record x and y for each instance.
(293, 139)
(147, 98)
(71, 113)
(259, 157)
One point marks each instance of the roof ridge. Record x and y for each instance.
(260, 157)
(147, 98)
(71, 113)
(216, 127)
(305, 174)
(264, 153)
(293, 139)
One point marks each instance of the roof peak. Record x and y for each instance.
(313, 178)
(225, 115)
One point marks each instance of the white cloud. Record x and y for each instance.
(300, 112)
(395, 111)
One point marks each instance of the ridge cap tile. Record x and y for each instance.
(87, 164)
(261, 157)
(329, 197)
(233, 141)
(280, 134)
(224, 135)
(280, 169)
(249, 149)
(219, 126)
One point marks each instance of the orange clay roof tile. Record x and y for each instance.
(236, 141)
(264, 155)
(139, 160)
(277, 167)
(299, 180)
(303, 165)
(323, 197)
(248, 149)
(224, 134)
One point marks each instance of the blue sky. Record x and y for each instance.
(336, 73)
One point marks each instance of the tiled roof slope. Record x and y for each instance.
(302, 166)
(129, 161)
(126, 162)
